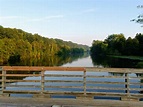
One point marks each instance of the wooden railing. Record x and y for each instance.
(72, 82)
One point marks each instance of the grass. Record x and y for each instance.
(140, 58)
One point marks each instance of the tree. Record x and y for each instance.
(99, 48)
(116, 43)
(16, 44)
(132, 46)
(139, 37)
(139, 18)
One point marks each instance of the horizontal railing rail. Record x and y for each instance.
(80, 82)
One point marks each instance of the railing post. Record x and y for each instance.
(42, 95)
(42, 82)
(127, 84)
(84, 81)
(84, 96)
(3, 80)
(127, 90)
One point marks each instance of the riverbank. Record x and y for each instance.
(128, 57)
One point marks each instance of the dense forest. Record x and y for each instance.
(18, 45)
(117, 44)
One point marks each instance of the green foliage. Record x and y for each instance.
(98, 48)
(139, 65)
(76, 50)
(117, 44)
(139, 18)
(131, 47)
(66, 50)
(139, 37)
(17, 45)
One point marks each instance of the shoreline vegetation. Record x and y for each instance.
(140, 58)
(118, 45)
(137, 58)
(18, 45)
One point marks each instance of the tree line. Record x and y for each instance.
(17, 45)
(117, 44)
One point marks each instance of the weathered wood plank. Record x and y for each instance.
(76, 93)
(137, 95)
(65, 81)
(116, 77)
(22, 75)
(135, 83)
(25, 86)
(44, 102)
(118, 70)
(60, 75)
(135, 89)
(77, 87)
(104, 88)
(104, 82)
(95, 69)
(106, 94)
(41, 68)
(135, 77)
(21, 92)
(64, 92)
(22, 80)
(32, 68)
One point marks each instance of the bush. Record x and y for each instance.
(139, 65)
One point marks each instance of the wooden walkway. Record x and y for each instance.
(82, 83)
(42, 102)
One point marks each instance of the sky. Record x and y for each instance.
(79, 21)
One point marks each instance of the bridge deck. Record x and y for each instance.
(43, 102)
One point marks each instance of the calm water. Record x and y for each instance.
(81, 62)
(85, 61)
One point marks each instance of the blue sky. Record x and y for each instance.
(80, 21)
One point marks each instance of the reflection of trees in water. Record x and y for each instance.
(139, 74)
(114, 62)
(115, 74)
(141, 80)
(99, 61)
(49, 60)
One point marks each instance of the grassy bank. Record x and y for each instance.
(140, 58)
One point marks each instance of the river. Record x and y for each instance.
(81, 62)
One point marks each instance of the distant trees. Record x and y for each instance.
(17, 45)
(65, 50)
(117, 44)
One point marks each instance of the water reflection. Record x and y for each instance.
(114, 62)
(115, 74)
(48, 60)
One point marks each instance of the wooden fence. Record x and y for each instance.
(72, 82)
